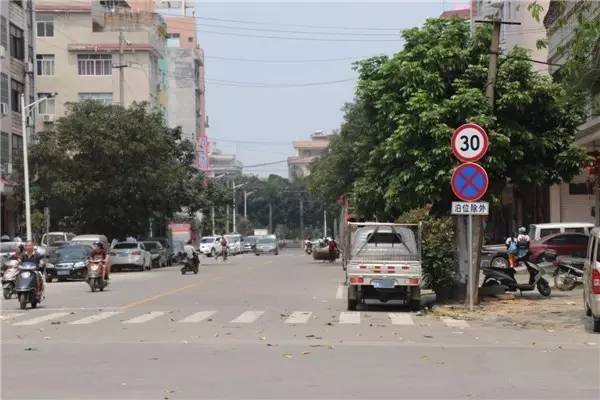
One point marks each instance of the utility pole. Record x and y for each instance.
(212, 215)
(490, 87)
(301, 219)
(234, 207)
(227, 226)
(324, 223)
(270, 218)
(121, 67)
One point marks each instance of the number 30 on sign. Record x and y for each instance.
(469, 142)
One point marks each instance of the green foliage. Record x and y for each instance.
(438, 250)
(393, 152)
(107, 169)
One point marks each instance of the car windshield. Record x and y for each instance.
(151, 245)
(52, 239)
(207, 240)
(71, 253)
(126, 246)
(266, 241)
(385, 243)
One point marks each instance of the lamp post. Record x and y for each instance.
(234, 186)
(25, 109)
(246, 194)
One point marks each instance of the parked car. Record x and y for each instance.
(539, 231)
(591, 279)
(49, 239)
(249, 243)
(158, 254)
(7, 249)
(167, 246)
(234, 243)
(210, 245)
(130, 255)
(565, 244)
(68, 262)
(266, 245)
(90, 240)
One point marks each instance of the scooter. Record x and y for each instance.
(95, 275)
(191, 265)
(27, 286)
(9, 278)
(308, 247)
(505, 277)
(568, 273)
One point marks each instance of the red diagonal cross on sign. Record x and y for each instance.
(469, 182)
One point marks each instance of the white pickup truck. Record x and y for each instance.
(383, 262)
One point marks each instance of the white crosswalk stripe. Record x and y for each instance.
(401, 319)
(9, 316)
(43, 318)
(198, 317)
(339, 294)
(349, 318)
(247, 317)
(94, 318)
(144, 317)
(455, 323)
(299, 317)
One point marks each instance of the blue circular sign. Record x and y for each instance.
(469, 182)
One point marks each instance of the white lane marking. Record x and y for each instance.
(401, 319)
(41, 319)
(299, 317)
(349, 317)
(339, 294)
(198, 317)
(9, 316)
(144, 317)
(455, 323)
(247, 317)
(94, 318)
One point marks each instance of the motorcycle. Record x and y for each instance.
(29, 286)
(505, 277)
(191, 265)
(95, 275)
(568, 273)
(9, 278)
(308, 247)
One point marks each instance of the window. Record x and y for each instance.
(173, 40)
(4, 89)
(4, 152)
(17, 149)
(16, 88)
(45, 25)
(47, 106)
(17, 43)
(546, 232)
(94, 64)
(105, 98)
(45, 64)
(580, 188)
(3, 32)
(574, 230)
(18, 2)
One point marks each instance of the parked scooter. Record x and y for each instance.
(568, 273)
(9, 278)
(95, 275)
(191, 265)
(505, 277)
(29, 286)
(308, 247)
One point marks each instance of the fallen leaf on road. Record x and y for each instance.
(331, 347)
(30, 349)
(47, 337)
(329, 323)
(155, 358)
(209, 320)
(269, 345)
(306, 353)
(550, 330)
(73, 312)
(288, 356)
(310, 336)
(428, 336)
(172, 319)
(424, 357)
(263, 338)
(55, 323)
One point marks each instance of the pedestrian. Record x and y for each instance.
(332, 245)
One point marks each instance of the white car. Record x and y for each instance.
(130, 254)
(591, 279)
(234, 243)
(210, 245)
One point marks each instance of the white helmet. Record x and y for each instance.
(522, 230)
(12, 264)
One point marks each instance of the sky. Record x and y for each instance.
(249, 111)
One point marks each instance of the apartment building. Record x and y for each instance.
(16, 78)
(306, 152)
(223, 164)
(82, 47)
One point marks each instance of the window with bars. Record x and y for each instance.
(3, 32)
(45, 25)
(16, 88)
(47, 106)
(17, 42)
(4, 97)
(105, 98)
(94, 64)
(17, 150)
(45, 64)
(4, 152)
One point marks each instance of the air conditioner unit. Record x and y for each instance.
(30, 69)
(2, 52)
(48, 118)
(3, 108)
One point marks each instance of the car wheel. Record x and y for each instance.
(596, 325)
(499, 262)
(588, 310)
(213, 252)
(48, 278)
(142, 267)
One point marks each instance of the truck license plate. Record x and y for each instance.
(383, 283)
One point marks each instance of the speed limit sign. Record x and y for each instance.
(469, 142)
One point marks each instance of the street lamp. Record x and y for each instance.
(25, 109)
(246, 194)
(234, 186)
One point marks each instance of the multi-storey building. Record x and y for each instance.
(16, 78)
(306, 152)
(223, 164)
(84, 45)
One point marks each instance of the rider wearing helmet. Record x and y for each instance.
(523, 250)
(98, 251)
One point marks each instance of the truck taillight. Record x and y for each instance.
(136, 253)
(356, 280)
(413, 281)
(595, 281)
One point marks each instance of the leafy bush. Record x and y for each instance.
(438, 248)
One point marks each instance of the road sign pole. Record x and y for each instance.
(470, 257)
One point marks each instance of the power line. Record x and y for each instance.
(298, 61)
(218, 82)
(256, 142)
(315, 39)
(267, 163)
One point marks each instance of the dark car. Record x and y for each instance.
(249, 244)
(68, 262)
(168, 248)
(157, 253)
(266, 245)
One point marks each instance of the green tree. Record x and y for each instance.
(110, 169)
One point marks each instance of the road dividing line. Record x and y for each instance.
(401, 319)
(9, 316)
(94, 318)
(455, 323)
(339, 294)
(41, 319)
(247, 317)
(145, 317)
(349, 318)
(299, 317)
(197, 317)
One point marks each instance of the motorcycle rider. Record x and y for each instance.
(18, 252)
(523, 241)
(98, 251)
(332, 246)
(190, 253)
(32, 256)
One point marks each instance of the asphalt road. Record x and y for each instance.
(273, 327)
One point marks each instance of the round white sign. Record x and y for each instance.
(469, 142)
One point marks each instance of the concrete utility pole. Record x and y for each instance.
(324, 223)
(246, 194)
(212, 216)
(270, 218)
(301, 219)
(121, 68)
(234, 206)
(490, 88)
(227, 227)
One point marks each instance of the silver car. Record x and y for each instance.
(158, 253)
(130, 255)
(591, 279)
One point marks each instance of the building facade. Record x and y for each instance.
(17, 48)
(82, 47)
(306, 152)
(223, 164)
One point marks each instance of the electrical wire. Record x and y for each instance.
(314, 39)
(298, 61)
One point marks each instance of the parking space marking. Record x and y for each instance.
(339, 294)
(455, 323)
(94, 318)
(43, 318)
(401, 319)
(247, 317)
(198, 317)
(299, 317)
(349, 317)
(144, 317)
